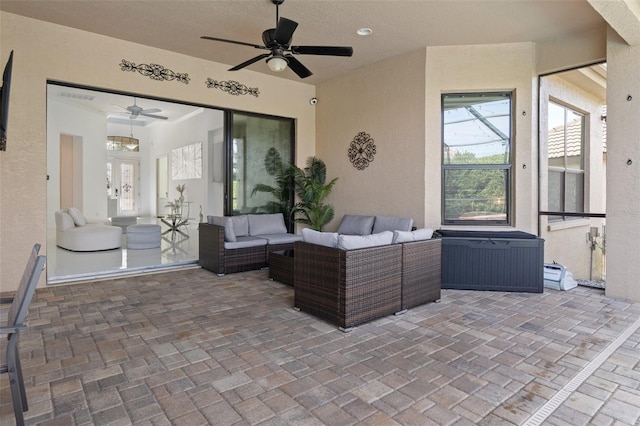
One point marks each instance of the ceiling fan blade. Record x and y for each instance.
(159, 117)
(250, 61)
(257, 46)
(150, 111)
(297, 67)
(284, 31)
(322, 50)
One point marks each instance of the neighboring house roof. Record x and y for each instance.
(556, 140)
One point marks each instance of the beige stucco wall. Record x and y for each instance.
(573, 51)
(46, 51)
(386, 101)
(623, 180)
(505, 67)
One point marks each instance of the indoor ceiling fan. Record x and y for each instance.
(134, 111)
(278, 41)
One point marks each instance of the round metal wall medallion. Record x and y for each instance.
(361, 150)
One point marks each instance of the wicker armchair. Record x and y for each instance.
(348, 287)
(215, 258)
(421, 272)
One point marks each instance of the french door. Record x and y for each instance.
(125, 188)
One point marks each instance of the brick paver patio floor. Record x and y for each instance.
(190, 348)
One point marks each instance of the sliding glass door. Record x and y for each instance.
(261, 148)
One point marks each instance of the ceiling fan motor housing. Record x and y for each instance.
(269, 39)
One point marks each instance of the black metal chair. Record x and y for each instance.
(15, 324)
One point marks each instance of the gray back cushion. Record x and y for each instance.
(262, 224)
(240, 225)
(407, 237)
(356, 225)
(387, 223)
(229, 234)
(351, 242)
(327, 239)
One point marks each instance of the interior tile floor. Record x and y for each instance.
(176, 250)
(190, 348)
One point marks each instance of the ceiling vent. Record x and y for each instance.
(78, 96)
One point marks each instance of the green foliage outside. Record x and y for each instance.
(475, 192)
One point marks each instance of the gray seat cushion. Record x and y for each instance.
(281, 238)
(244, 242)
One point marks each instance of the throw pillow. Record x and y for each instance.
(77, 216)
(351, 242)
(407, 237)
(356, 225)
(327, 239)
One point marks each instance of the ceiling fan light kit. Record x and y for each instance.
(278, 41)
(277, 63)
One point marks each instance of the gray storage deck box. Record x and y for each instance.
(499, 261)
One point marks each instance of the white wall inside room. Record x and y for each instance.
(156, 139)
(195, 128)
(91, 129)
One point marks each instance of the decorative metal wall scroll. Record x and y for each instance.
(155, 72)
(361, 150)
(232, 87)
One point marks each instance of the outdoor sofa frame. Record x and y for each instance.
(215, 258)
(351, 287)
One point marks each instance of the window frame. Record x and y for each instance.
(566, 170)
(507, 166)
(230, 191)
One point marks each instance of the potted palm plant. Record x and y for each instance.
(311, 188)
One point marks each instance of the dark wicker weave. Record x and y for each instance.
(214, 257)
(281, 266)
(348, 288)
(421, 272)
(277, 247)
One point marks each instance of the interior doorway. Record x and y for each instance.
(70, 171)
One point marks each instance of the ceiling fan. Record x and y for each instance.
(134, 111)
(278, 41)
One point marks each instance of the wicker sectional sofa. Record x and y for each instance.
(350, 286)
(231, 244)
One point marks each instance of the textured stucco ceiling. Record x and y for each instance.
(398, 26)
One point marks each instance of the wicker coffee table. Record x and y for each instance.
(281, 266)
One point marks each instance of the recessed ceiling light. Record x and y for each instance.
(364, 31)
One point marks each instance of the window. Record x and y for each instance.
(565, 142)
(476, 158)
